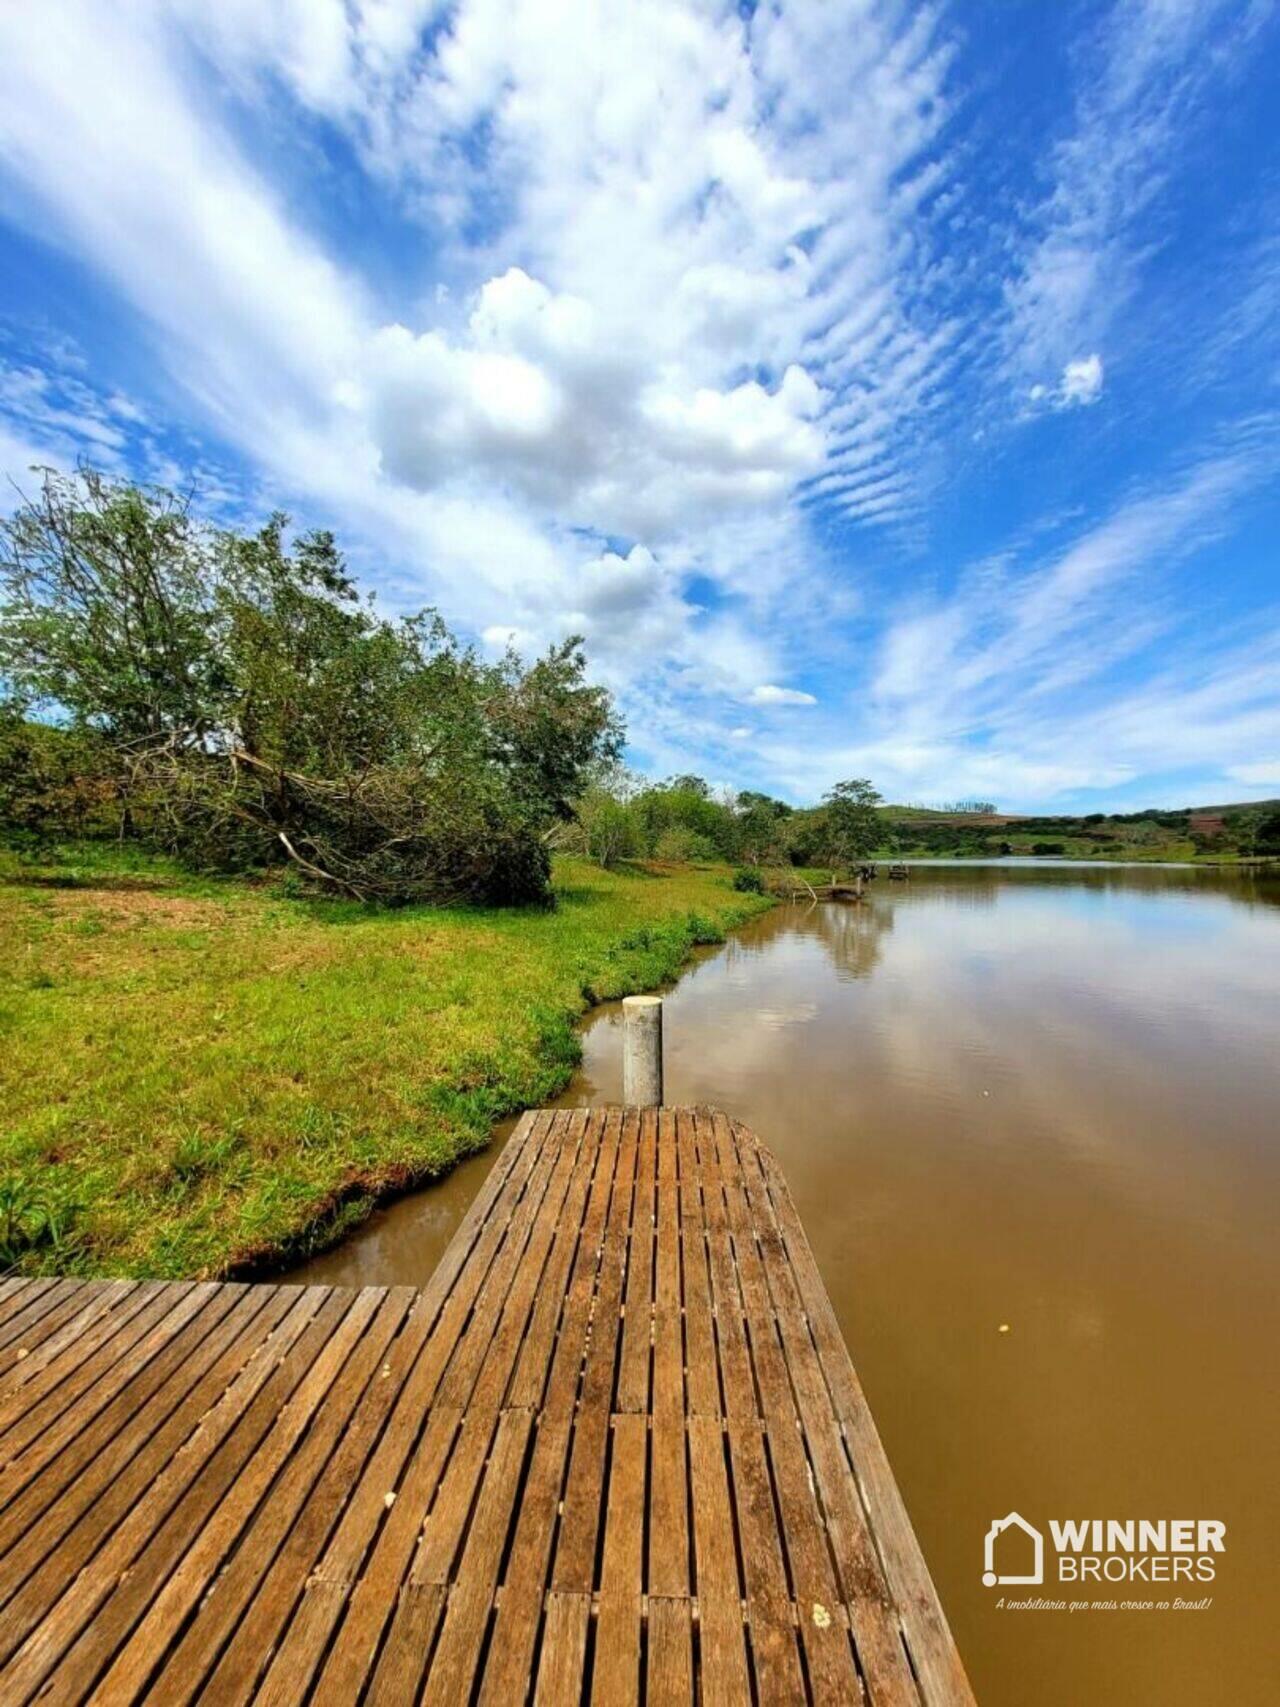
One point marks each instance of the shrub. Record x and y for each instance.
(749, 881)
(683, 847)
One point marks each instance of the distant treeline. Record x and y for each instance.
(1242, 831)
(620, 816)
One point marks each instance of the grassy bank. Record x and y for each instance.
(195, 1075)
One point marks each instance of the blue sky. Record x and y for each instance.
(884, 390)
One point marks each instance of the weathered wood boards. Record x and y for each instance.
(615, 1449)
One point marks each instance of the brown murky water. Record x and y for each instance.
(1047, 1098)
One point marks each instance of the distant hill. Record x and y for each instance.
(1232, 831)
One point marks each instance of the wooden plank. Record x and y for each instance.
(507, 1669)
(564, 1650)
(404, 1656)
(362, 1628)
(865, 1591)
(32, 1405)
(483, 1342)
(58, 1415)
(14, 1288)
(563, 1309)
(398, 1676)
(670, 1669)
(615, 1677)
(775, 1655)
(94, 1460)
(862, 1587)
(374, 1596)
(446, 1307)
(722, 1633)
(249, 1650)
(637, 1326)
(574, 1567)
(37, 1315)
(702, 1384)
(668, 1304)
(528, 1281)
(217, 1502)
(731, 1341)
(31, 1300)
(454, 1663)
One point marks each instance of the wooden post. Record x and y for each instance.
(642, 1051)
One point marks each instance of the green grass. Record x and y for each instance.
(199, 1076)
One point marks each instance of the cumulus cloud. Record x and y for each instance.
(1082, 381)
(542, 396)
(1080, 385)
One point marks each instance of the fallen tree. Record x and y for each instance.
(253, 708)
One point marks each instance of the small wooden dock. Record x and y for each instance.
(614, 1450)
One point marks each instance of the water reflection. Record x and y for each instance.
(1038, 1096)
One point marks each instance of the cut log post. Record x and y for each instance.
(642, 1051)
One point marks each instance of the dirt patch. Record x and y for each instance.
(131, 907)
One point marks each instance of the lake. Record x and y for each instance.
(1040, 1100)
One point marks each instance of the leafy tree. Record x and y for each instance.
(107, 611)
(851, 826)
(761, 828)
(684, 804)
(605, 826)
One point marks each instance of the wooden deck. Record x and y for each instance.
(614, 1450)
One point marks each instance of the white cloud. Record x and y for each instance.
(768, 694)
(1263, 774)
(541, 397)
(1081, 381)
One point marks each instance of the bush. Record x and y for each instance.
(748, 881)
(56, 782)
(683, 847)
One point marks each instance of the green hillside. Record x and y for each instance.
(1234, 831)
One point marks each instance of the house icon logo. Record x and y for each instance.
(990, 1575)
